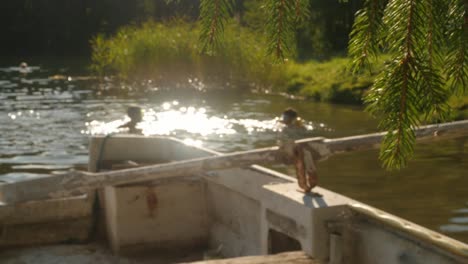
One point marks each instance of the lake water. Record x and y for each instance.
(48, 112)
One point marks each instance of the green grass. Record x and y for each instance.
(172, 51)
(329, 81)
(460, 106)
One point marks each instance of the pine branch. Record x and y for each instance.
(302, 10)
(395, 96)
(434, 104)
(213, 16)
(365, 35)
(281, 28)
(457, 62)
(414, 33)
(435, 12)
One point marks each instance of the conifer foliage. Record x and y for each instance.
(283, 17)
(426, 40)
(427, 43)
(213, 17)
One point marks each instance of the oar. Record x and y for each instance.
(76, 183)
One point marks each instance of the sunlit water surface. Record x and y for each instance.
(47, 114)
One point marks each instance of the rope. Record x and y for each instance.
(302, 159)
(306, 171)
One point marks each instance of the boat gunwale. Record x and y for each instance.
(414, 231)
(434, 238)
(425, 235)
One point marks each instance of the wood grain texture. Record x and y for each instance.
(297, 257)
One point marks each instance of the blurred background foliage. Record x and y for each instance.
(159, 39)
(64, 27)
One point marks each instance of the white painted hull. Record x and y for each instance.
(244, 211)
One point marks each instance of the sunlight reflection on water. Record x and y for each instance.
(171, 118)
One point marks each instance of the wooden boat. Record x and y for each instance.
(185, 216)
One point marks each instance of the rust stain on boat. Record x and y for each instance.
(151, 201)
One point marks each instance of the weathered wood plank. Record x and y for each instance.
(298, 257)
(76, 183)
(427, 133)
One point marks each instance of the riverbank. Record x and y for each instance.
(165, 53)
(170, 55)
(327, 81)
(331, 82)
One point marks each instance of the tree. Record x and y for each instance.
(425, 39)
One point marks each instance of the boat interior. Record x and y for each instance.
(229, 213)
